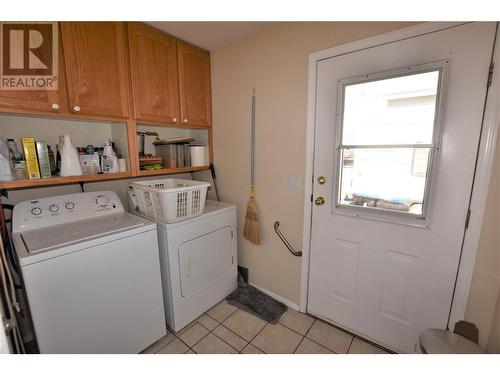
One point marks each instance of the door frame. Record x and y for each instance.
(486, 155)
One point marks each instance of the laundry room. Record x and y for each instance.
(295, 184)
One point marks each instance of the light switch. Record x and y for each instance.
(294, 182)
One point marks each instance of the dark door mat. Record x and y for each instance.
(258, 303)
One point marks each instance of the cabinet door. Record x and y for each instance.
(194, 85)
(37, 101)
(155, 81)
(96, 68)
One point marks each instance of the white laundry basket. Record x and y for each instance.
(170, 199)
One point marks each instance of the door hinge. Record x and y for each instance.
(311, 197)
(490, 74)
(467, 219)
(232, 234)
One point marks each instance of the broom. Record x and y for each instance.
(251, 229)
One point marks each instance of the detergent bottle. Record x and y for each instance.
(109, 159)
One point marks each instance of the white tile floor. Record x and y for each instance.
(226, 329)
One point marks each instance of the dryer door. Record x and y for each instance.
(205, 259)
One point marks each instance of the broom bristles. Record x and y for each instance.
(251, 229)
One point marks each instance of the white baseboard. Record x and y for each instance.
(277, 297)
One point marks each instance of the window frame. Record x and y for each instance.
(383, 214)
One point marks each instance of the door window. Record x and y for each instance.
(386, 139)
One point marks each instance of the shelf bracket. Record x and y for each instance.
(4, 193)
(81, 183)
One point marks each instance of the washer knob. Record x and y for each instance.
(102, 200)
(69, 205)
(36, 211)
(53, 208)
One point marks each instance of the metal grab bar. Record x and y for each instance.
(296, 253)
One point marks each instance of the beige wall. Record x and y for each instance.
(275, 62)
(483, 308)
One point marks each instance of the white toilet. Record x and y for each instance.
(439, 341)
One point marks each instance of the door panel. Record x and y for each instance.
(205, 259)
(194, 85)
(345, 259)
(39, 101)
(155, 81)
(96, 68)
(394, 297)
(381, 274)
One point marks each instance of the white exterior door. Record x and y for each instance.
(396, 134)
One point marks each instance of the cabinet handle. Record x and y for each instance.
(174, 119)
(55, 106)
(185, 121)
(76, 108)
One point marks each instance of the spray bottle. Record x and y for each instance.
(109, 159)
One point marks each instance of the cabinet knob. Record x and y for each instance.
(185, 121)
(76, 108)
(55, 106)
(174, 119)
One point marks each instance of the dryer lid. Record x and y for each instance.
(39, 240)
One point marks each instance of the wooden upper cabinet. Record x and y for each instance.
(155, 81)
(38, 101)
(96, 68)
(194, 85)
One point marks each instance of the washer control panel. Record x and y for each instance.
(44, 212)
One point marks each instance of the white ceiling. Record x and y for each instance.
(210, 35)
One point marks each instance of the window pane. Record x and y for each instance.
(390, 111)
(384, 178)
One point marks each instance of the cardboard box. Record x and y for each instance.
(43, 159)
(29, 147)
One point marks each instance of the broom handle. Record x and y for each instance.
(252, 157)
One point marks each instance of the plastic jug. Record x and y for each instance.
(70, 162)
(5, 165)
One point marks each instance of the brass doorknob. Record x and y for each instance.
(319, 201)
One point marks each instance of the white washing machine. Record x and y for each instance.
(91, 273)
(199, 262)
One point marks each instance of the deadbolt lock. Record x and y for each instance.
(319, 201)
(321, 180)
